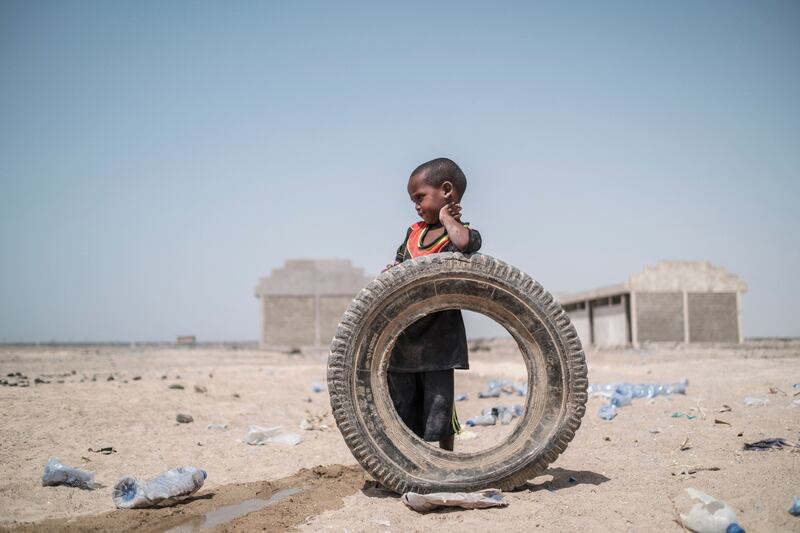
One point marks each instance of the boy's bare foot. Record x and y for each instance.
(447, 443)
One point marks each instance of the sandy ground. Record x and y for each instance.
(628, 474)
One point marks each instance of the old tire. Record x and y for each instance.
(360, 352)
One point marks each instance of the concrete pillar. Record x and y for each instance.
(739, 315)
(634, 322)
(686, 317)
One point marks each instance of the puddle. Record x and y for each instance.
(231, 512)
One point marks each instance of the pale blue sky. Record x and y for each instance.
(156, 158)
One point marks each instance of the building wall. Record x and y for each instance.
(288, 321)
(580, 319)
(331, 310)
(659, 316)
(713, 317)
(610, 325)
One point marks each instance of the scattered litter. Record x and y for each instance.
(200, 388)
(776, 390)
(753, 401)
(498, 413)
(466, 435)
(176, 386)
(767, 444)
(222, 427)
(461, 397)
(466, 500)
(794, 510)
(688, 470)
(314, 422)
(796, 386)
(718, 421)
(710, 515)
(685, 445)
(307, 399)
(621, 394)
(107, 450)
(607, 412)
(168, 488)
(497, 387)
(655, 430)
(56, 473)
(678, 414)
(572, 479)
(724, 409)
(257, 435)
(184, 419)
(384, 523)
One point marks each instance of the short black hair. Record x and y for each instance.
(439, 170)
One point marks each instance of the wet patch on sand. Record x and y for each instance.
(277, 505)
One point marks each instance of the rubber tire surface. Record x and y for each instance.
(359, 357)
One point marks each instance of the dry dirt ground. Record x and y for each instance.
(628, 474)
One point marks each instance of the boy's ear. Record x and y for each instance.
(447, 188)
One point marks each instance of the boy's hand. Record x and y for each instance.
(450, 210)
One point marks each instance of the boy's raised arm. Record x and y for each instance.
(450, 217)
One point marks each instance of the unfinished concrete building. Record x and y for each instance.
(302, 302)
(674, 301)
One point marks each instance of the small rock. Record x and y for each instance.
(199, 388)
(164, 377)
(176, 386)
(608, 439)
(110, 378)
(236, 395)
(184, 419)
(136, 378)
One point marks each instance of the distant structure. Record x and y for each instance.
(674, 301)
(186, 340)
(302, 302)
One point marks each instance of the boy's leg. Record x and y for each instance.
(439, 416)
(405, 389)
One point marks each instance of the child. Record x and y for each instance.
(423, 358)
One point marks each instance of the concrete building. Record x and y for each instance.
(674, 301)
(302, 302)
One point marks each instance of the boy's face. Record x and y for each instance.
(428, 200)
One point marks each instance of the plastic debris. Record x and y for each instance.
(794, 510)
(56, 473)
(317, 387)
(170, 487)
(466, 500)
(753, 401)
(257, 435)
(461, 397)
(678, 414)
(313, 422)
(622, 394)
(768, 444)
(710, 515)
(499, 413)
(495, 388)
(222, 427)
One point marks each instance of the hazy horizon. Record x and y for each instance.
(156, 159)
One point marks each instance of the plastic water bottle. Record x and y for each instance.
(56, 473)
(483, 420)
(710, 515)
(171, 486)
(607, 412)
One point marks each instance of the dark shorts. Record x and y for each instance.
(424, 401)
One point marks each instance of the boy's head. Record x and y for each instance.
(432, 184)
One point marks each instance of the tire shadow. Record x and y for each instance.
(563, 479)
(373, 489)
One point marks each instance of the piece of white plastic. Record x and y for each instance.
(170, 487)
(466, 500)
(256, 435)
(56, 473)
(753, 401)
(710, 515)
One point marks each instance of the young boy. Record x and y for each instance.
(425, 355)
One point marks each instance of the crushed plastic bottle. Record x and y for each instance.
(752, 401)
(710, 515)
(483, 420)
(170, 487)
(256, 435)
(794, 510)
(608, 411)
(56, 473)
